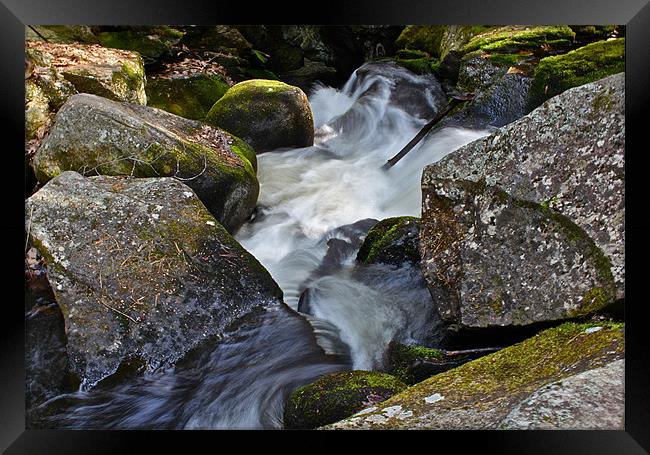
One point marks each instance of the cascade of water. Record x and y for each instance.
(306, 196)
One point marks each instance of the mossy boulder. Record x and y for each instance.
(589, 63)
(93, 135)
(189, 96)
(110, 73)
(152, 42)
(567, 156)
(490, 55)
(491, 260)
(392, 241)
(336, 396)
(140, 269)
(266, 114)
(455, 37)
(481, 393)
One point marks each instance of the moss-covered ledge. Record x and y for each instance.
(480, 394)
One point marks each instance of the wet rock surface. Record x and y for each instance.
(140, 269)
(93, 135)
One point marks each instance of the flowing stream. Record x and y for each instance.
(315, 206)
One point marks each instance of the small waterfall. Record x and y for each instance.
(308, 197)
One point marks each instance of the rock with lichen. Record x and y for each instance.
(266, 114)
(491, 260)
(93, 135)
(56, 71)
(392, 241)
(481, 394)
(591, 400)
(566, 158)
(112, 73)
(336, 396)
(142, 271)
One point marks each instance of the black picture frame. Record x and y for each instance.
(635, 14)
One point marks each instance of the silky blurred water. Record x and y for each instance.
(306, 196)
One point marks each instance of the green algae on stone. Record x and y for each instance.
(511, 39)
(391, 241)
(266, 114)
(421, 37)
(190, 97)
(481, 393)
(336, 396)
(589, 63)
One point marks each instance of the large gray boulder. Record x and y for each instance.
(561, 166)
(93, 135)
(493, 260)
(591, 400)
(141, 270)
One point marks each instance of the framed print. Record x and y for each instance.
(379, 217)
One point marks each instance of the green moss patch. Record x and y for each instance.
(190, 97)
(421, 37)
(423, 65)
(589, 63)
(515, 38)
(388, 241)
(336, 396)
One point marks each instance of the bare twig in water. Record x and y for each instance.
(453, 102)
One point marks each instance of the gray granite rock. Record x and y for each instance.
(592, 400)
(141, 270)
(567, 155)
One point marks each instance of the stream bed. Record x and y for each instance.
(308, 196)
